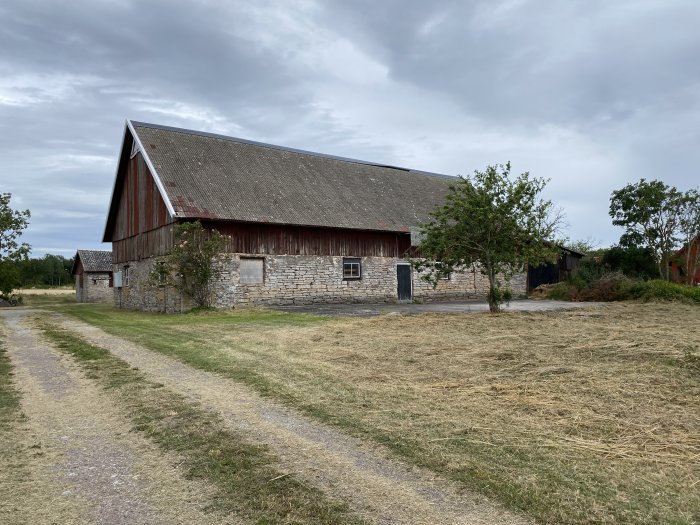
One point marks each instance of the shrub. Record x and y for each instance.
(659, 290)
(617, 287)
(610, 287)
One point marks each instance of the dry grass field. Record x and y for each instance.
(584, 416)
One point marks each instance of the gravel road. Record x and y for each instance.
(381, 489)
(92, 468)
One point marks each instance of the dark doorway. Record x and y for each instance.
(403, 274)
(543, 274)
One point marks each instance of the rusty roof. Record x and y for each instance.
(208, 176)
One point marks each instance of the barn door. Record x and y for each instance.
(403, 275)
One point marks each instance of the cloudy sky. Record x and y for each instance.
(590, 94)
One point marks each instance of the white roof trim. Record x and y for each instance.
(154, 173)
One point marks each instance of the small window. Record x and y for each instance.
(443, 272)
(352, 269)
(126, 276)
(252, 271)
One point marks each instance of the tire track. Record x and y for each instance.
(97, 468)
(379, 488)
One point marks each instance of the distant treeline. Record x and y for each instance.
(49, 270)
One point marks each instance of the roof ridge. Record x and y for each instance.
(229, 138)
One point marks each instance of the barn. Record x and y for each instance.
(304, 227)
(92, 270)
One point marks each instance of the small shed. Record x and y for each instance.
(92, 270)
(554, 272)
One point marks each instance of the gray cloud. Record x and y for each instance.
(589, 94)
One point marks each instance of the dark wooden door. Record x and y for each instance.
(403, 274)
(543, 274)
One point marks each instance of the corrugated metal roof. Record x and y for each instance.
(210, 176)
(94, 260)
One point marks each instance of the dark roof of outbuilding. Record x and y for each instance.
(94, 260)
(209, 176)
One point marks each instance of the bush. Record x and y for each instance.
(610, 287)
(617, 287)
(658, 290)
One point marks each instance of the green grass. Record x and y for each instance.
(9, 396)
(469, 397)
(244, 474)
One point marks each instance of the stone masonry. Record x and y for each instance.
(95, 288)
(299, 279)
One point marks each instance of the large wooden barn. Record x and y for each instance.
(303, 227)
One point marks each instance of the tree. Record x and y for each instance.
(689, 230)
(12, 224)
(633, 261)
(189, 265)
(649, 213)
(490, 223)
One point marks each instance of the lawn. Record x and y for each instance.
(585, 416)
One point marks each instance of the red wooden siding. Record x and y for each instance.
(148, 244)
(678, 271)
(141, 207)
(273, 240)
(300, 240)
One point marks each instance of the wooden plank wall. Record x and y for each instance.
(268, 239)
(301, 240)
(148, 244)
(141, 208)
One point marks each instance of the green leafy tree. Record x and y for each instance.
(689, 230)
(584, 246)
(493, 224)
(12, 225)
(634, 261)
(649, 212)
(190, 265)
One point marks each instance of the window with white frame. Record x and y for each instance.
(125, 276)
(252, 270)
(352, 268)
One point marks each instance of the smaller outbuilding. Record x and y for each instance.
(554, 272)
(92, 270)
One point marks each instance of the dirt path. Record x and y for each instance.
(381, 489)
(91, 468)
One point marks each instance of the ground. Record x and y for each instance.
(577, 416)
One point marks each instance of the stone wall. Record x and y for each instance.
(299, 279)
(141, 294)
(95, 288)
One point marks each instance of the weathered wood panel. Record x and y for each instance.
(141, 207)
(148, 244)
(267, 239)
(300, 240)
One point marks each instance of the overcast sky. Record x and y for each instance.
(590, 94)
